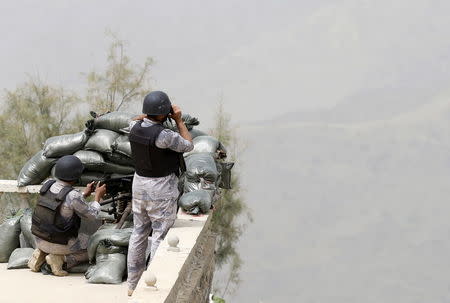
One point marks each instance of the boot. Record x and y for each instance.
(56, 262)
(130, 292)
(36, 260)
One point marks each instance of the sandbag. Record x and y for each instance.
(117, 237)
(110, 168)
(225, 174)
(122, 145)
(119, 159)
(79, 269)
(22, 242)
(196, 202)
(9, 237)
(187, 119)
(107, 247)
(36, 170)
(207, 144)
(190, 121)
(126, 224)
(113, 121)
(89, 176)
(102, 141)
(189, 186)
(91, 160)
(196, 133)
(19, 258)
(25, 227)
(108, 269)
(59, 146)
(201, 165)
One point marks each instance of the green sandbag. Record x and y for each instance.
(59, 146)
(225, 174)
(201, 165)
(79, 269)
(89, 176)
(110, 168)
(196, 133)
(122, 145)
(188, 120)
(189, 186)
(9, 237)
(91, 160)
(19, 258)
(36, 170)
(207, 144)
(113, 121)
(126, 224)
(102, 141)
(22, 242)
(25, 227)
(120, 159)
(117, 237)
(107, 247)
(196, 202)
(108, 269)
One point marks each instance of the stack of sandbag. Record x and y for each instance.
(16, 241)
(107, 248)
(103, 148)
(9, 237)
(205, 173)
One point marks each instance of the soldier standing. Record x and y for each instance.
(156, 152)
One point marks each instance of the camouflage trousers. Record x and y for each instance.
(158, 215)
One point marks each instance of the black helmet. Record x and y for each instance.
(68, 168)
(156, 103)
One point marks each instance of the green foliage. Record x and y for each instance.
(120, 83)
(230, 211)
(32, 113)
(35, 111)
(218, 300)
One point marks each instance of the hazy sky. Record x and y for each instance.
(264, 57)
(340, 210)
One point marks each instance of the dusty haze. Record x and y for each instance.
(345, 107)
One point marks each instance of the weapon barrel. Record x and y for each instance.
(119, 197)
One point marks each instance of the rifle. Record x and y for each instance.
(118, 194)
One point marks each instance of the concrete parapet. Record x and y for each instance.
(183, 276)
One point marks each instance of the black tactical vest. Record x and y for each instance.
(47, 222)
(150, 160)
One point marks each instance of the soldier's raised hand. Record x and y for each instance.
(100, 191)
(89, 189)
(175, 113)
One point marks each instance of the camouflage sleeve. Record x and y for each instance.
(132, 123)
(173, 140)
(84, 209)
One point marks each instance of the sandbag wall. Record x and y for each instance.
(107, 249)
(206, 172)
(16, 241)
(103, 147)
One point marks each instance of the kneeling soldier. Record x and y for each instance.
(57, 216)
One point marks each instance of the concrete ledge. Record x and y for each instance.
(10, 186)
(195, 278)
(183, 276)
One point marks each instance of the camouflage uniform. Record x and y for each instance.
(75, 251)
(154, 206)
